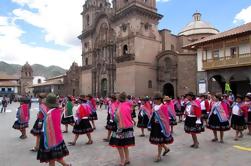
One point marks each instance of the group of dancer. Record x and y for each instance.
(158, 115)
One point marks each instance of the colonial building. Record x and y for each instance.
(63, 85)
(26, 79)
(224, 58)
(123, 50)
(9, 85)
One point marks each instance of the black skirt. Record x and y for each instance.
(181, 111)
(134, 113)
(157, 137)
(122, 138)
(204, 114)
(215, 124)
(93, 116)
(249, 118)
(67, 120)
(238, 123)
(37, 128)
(19, 126)
(142, 121)
(46, 155)
(83, 127)
(190, 125)
(111, 125)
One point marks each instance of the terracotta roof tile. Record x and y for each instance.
(246, 28)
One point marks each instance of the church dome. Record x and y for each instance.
(197, 26)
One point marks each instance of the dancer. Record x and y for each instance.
(82, 124)
(52, 147)
(91, 101)
(23, 117)
(171, 111)
(160, 127)
(193, 124)
(111, 125)
(38, 126)
(238, 118)
(178, 108)
(247, 107)
(123, 138)
(205, 107)
(218, 119)
(132, 105)
(67, 118)
(145, 112)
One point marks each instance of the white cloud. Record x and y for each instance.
(244, 16)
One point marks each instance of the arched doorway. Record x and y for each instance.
(240, 84)
(216, 84)
(168, 90)
(104, 87)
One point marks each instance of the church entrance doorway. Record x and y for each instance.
(168, 90)
(104, 87)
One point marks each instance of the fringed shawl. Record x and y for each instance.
(171, 109)
(123, 115)
(162, 116)
(23, 113)
(43, 109)
(92, 104)
(221, 110)
(52, 129)
(112, 108)
(147, 109)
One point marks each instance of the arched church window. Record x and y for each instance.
(39, 81)
(101, 5)
(26, 74)
(150, 84)
(145, 1)
(87, 20)
(172, 47)
(86, 61)
(125, 49)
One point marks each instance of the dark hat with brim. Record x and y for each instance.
(190, 94)
(146, 98)
(122, 97)
(248, 95)
(82, 97)
(42, 95)
(157, 96)
(51, 101)
(113, 96)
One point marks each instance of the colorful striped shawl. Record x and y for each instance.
(171, 109)
(147, 109)
(52, 129)
(163, 119)
(123, 115)
(92, 104)
(43, 109)
(23, 113)
(112, 108)
(221, 111)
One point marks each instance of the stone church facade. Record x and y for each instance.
(123, 50)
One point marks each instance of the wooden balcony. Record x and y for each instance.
(227, 62)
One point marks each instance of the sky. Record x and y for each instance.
(45, 31)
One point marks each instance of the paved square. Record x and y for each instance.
(15, 152)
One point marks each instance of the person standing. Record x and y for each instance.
(4, 104)
(22, 117)
(205, 107)
(171, 111)
(38, 125)
(111, 125)
(52, 147)
(238, 117)
(218, 119)
(145, 113)
(123, 138)
(247, 107)
(193, 124)
(160, 127)
(67, 118)
(82, 124)
(92, 102)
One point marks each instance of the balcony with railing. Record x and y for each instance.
(227, 62)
